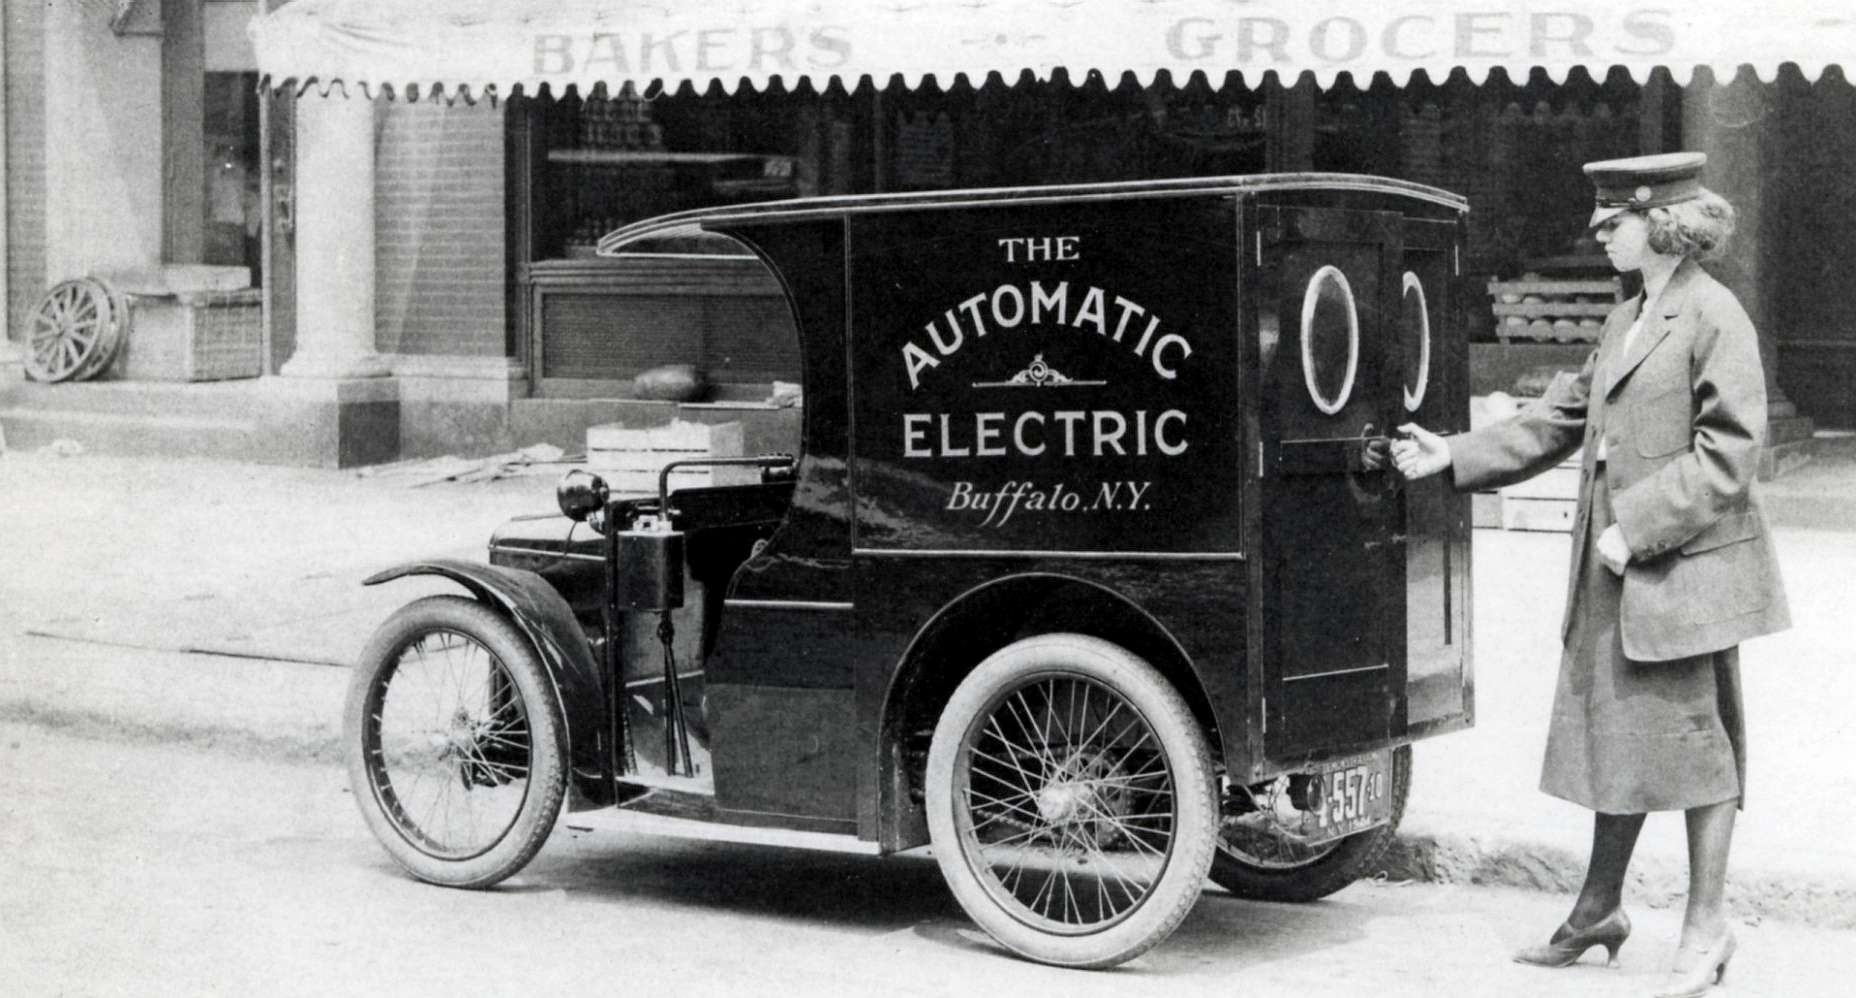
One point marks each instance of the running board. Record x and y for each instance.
(612, 820)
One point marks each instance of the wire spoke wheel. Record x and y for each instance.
(1070, 802)
(75, 332)
(449, 749)
(1066, 804)
(457, 748)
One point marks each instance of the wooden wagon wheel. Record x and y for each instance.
(116, 332)
(75, 331)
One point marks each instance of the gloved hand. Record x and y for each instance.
(1612, 549)
(1420, 453)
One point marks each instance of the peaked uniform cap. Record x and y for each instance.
(1640, 182)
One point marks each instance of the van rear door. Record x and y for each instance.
(1333, 535)
(1434, 393)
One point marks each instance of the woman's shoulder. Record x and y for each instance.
(1710, 303)
(1704, 284)
(1718, 301)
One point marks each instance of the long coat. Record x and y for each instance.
(1683, 415)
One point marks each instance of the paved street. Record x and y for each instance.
(173, 823)
(155, 870)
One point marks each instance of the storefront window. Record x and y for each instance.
(232, 203)
(610, 161)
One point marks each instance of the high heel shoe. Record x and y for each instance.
(1709, 968)
(1569, 944)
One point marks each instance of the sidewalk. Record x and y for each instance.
(239, 585)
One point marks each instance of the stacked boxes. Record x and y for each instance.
(631, 459)
(1544, 310)
(1548, 501)
(203, 336)
(190, 322)
(1536, 309)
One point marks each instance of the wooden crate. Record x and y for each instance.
(1554, 515)
(1548, 501)
(1485, 509)
(631, 458)
(1559, 482)
(197, 336)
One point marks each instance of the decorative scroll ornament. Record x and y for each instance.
(1038, 374)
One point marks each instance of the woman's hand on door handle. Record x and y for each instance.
(1419, 453)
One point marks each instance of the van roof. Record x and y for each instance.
(813, 208)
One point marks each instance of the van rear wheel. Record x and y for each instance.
(1263, 863)
(1071, 801)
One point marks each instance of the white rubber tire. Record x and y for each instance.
(534, 821)
(1182, 742)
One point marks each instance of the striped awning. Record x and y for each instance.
(471, 47)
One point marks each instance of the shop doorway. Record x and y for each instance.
(233, 200)
(277, 230)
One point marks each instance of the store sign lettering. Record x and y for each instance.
(706, 50)
(1465, 35)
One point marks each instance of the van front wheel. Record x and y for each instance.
(1071, 801)
(456, 747)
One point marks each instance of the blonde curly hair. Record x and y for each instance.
(1699, 227)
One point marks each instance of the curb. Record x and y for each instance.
(1753, 894)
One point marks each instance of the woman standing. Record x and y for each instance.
(1672, 565)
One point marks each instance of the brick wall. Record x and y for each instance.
(25, 160)
(439, 229)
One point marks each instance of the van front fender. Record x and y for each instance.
(548, 623)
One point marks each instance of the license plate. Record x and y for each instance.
(1350, 795)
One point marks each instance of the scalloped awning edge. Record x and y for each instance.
(473, 49)
(452, 93)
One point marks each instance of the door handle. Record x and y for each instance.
(1368, 451)
(1336, 456)
(1391, 540)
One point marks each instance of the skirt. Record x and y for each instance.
(1629, 737)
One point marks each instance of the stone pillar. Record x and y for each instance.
(9, 354)
(1736, 124)
(1732, 123)
(183, 135)
(334, 238)
(103, 142)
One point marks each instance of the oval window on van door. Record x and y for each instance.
(1415, 334)
(1330, 339)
